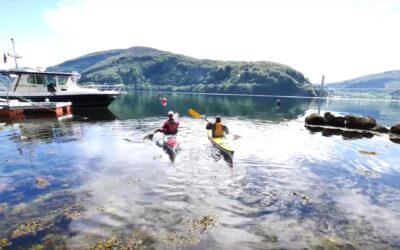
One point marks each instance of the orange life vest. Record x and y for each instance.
(218, 129)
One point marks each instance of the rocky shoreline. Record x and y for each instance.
(350, 126)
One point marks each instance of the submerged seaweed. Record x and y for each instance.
(31, 228)
(191, 232)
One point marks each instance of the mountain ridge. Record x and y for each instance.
(147, 68)
(377, 80)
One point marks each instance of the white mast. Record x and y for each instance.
(14, 55)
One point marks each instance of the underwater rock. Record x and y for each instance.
(353, 134)
(368, 173)
(333, 244)
(4, 187)
(270, 198)
(3, 207)
(364, 152)
(332, 120)
(75, 212)
(191, 233)
(113, 242)
(41, 182)
(4, 243)
(330, 132)
(303, 198)
(380, 129)
(207, 221)
(395, 129)
(315, 119)
(395, 139)
(110, 243)
(270, 238)
(21, 207)
(132, 181)
(360, 122)
(31, 228)
(314, 129)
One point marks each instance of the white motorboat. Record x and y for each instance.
(37, 86)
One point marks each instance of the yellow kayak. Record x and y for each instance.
(222, 143)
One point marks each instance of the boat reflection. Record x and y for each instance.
(97, 114)
(47, 130)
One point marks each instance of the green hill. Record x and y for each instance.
(150, 69)
(382, 85)
(385, 80)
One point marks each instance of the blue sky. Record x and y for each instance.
(341, 39)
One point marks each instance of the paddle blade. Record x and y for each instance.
(235, 136)
(194, 113)
(148, 137)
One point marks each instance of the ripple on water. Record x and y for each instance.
(287, 187)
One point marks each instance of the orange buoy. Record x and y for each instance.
(164, 101)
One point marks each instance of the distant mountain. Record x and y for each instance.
(152, 69)
(385, 80)
(382, 85)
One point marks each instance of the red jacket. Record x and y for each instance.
(170, 126)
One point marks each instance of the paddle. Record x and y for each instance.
(151, 135)
(197, 115)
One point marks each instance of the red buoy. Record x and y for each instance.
(164, 101)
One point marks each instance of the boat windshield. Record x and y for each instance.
(6, 81)
(47, 79)
(62, 80)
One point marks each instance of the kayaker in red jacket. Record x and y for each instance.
(170, 126)
(218, 129)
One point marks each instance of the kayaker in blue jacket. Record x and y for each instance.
(218, 129)
(170, 126)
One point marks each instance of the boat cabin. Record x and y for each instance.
(27, 83)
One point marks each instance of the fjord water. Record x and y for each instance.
(92, 181)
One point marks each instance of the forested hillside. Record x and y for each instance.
(151, 69)
(382, 85)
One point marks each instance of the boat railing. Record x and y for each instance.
(106, 87)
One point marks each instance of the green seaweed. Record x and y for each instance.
(31, 228)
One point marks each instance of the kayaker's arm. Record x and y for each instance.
(209, 125)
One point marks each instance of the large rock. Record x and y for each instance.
(315, 119)
(380, 129)
(395, 129)
(332, 120)
(356, 134)
(360, 122)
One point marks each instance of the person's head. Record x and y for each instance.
(218, 119)
(170, 114)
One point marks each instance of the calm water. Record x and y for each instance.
(86, 183)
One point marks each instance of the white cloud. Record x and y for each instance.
(339, 39)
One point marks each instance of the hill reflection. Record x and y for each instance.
(147, 104)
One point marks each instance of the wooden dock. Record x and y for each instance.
(15, 109)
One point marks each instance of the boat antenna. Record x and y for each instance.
(14, 55)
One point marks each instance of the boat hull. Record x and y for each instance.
(222, 143)
(98, 100)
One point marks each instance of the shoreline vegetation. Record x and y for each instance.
(144, 68)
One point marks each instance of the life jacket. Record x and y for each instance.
(170, 126)
(218, 129)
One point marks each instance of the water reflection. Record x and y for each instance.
(80, 184)
(95, 114)
(147, 104)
